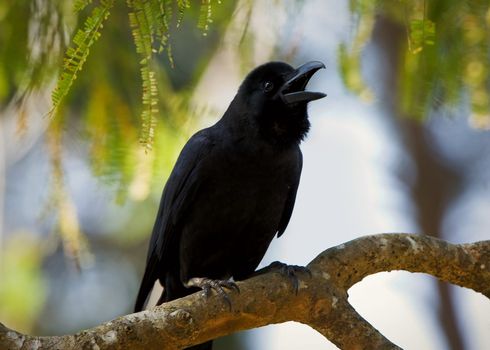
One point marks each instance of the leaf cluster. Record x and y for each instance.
(444, 59)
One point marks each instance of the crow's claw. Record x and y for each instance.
(207, 284)
(290, 272)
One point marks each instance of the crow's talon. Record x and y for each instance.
(206, 290)
(290, 272)
(230, 285)
(294, 269)
(207, 284)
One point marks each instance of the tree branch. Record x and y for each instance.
(321, 301)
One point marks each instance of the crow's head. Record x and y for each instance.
(274, 95)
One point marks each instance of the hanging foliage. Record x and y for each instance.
(444, 59)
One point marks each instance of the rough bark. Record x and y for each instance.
(321, 301)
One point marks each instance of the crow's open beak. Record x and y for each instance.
(293, 90)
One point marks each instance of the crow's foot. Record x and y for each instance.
(289, 271)
(207, 284)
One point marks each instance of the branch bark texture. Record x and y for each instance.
(321, 301)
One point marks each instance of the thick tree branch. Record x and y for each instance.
(321, 301)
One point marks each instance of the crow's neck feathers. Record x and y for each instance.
(280, 126)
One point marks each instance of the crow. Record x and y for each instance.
(232, 188)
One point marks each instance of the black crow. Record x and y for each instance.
(233, 188)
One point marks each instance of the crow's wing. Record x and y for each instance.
(178, 193)
(289, 204)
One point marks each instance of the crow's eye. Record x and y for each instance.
(268, 86)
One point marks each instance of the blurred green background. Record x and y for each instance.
(402, 140)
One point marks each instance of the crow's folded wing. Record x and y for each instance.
(177, 195)
(289, 204)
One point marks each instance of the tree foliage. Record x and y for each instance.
(103, 90)
(125, 79)
(444, 59)
(77, 54)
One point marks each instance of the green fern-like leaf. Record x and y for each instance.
(422, 33)
(160, 14)
(205, 16)
(142, 21)
(182, 5)
(77, 54)
(79, 5)
(168, 15)
(150, 107)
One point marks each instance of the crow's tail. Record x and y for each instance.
(147, 283)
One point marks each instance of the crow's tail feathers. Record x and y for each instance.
(147, 283)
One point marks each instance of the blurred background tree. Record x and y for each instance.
(130, 81)
(436, 55)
